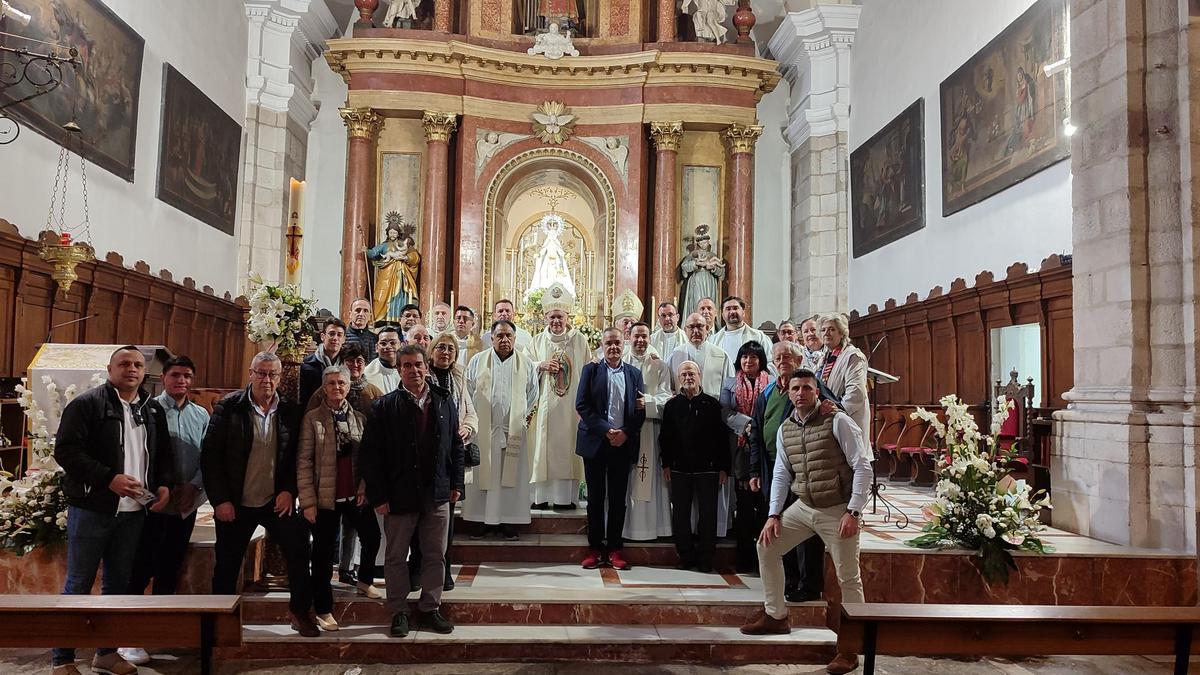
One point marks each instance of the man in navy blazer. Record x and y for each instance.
(611, 413)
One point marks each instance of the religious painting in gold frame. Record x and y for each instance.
(887, 182)
(1003, 119)
(101, 95)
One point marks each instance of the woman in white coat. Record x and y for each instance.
(843, 368)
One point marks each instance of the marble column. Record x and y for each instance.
(1123, 465)
(666, 20)
(438, 128)
(739, 257)
(441, 16)
(362, 128)
(665, 246)
(814, 48)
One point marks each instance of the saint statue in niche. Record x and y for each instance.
(708, 17)
(402, 11)
(551, 264)
(397, 264)
(700, 272)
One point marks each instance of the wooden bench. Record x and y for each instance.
(1015, 630)
(203, 621)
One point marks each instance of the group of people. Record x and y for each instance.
(679, 431)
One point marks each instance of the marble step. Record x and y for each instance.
(563, 548)
(542, 522)
(542, 642)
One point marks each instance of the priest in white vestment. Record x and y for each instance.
(715, 367)
(382, 372)
(506, 311)
(649, 515)
(504, 388)
(669, 335)
(558, 353)
(737, 332)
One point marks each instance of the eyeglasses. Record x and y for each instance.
(267, 374)
(389, 343)
(444, 347)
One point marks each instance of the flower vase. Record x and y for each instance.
(289, 381)
(744, 20)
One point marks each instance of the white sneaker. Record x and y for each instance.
(327, 622)
(135, 655)
(369, 590)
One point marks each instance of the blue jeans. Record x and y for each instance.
(93, 537)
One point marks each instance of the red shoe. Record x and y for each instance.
(593, 559)
(617, 561)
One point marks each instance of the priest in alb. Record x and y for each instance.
(649, 515)
(737, 331)
(715, 367)
(504, 388)
(558, 353)
(669, 335)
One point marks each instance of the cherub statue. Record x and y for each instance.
(554, 43)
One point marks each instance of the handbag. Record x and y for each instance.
(471, 457)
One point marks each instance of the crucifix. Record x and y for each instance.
(642, 466)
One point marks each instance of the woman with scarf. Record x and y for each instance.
(737, 405)
(362, 393)
(331, 490)
(445, 372)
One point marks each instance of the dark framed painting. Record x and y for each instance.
(1003, 117)
(887, 182)
(199, 154)
(101, 95)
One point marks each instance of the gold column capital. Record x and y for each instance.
(666, 135)
(740, 138)
(438, 125)
(361, 122)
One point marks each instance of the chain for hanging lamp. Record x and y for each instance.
(74, 242)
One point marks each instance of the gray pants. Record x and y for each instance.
(431, 523)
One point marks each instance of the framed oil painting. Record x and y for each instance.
(1002, 116)
(101, 95)
(199, 154)
(887, 181)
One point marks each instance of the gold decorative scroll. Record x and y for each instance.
(361, 122)
(439, 125)
(740, 138)
(666, 135)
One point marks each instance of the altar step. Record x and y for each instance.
(475, 643)
(570, 548)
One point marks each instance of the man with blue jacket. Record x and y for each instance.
(611, 412)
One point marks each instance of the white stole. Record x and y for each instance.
(516, 420)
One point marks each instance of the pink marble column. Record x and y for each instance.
(666, 20)
(438, 127)
(739, 257)
(441, 16)
(362, 127)
(666, 137)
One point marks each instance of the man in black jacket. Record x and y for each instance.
(249, 465)
(696, 461)
(411, 458)
(329, 353)
(115, 451)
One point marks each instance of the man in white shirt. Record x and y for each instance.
(668, 336)
(439, 319)
(469, 343)
(504, 310)
(736, 331)
(831, 481)
(707, 308)
(382, 371)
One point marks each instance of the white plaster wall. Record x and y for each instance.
(902, 52)
(772, 273)
(206, 42)
(324, 192)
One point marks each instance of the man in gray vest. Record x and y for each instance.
(824, 460)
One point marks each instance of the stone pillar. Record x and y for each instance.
(739, 257)
(441, 16)
(1123, 467)
(665, 246)
(362, 129)
(813, 49)
(667, 12)
(438, 127)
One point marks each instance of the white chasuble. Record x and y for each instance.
(649, 511)
(664, 343)
(557, 470)
(504, 393)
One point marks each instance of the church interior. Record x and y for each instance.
(998, 199)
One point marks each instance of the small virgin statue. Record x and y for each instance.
(397, 264)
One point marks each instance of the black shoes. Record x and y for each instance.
(435, 622)
(684, 565)
(801, 595)
(448, 584)
(346, 577)
(399, 626)
(540, 506)
(565, 507)
(508, 532)
(304, 624)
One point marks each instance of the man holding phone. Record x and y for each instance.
(115, 451)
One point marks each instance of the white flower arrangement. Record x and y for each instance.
(978, 505)
(279, 314)
(33, 508)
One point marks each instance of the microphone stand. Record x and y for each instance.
(877, 488)
(68, 323)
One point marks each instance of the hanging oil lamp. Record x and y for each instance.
(66, 253)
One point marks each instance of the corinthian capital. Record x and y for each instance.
(740, 138)
(439, 125)
(666, 135)
(361, 122)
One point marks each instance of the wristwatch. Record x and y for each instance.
(776, 516)
(857, 514)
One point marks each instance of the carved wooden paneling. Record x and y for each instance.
(942, 344)
(123, 305)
